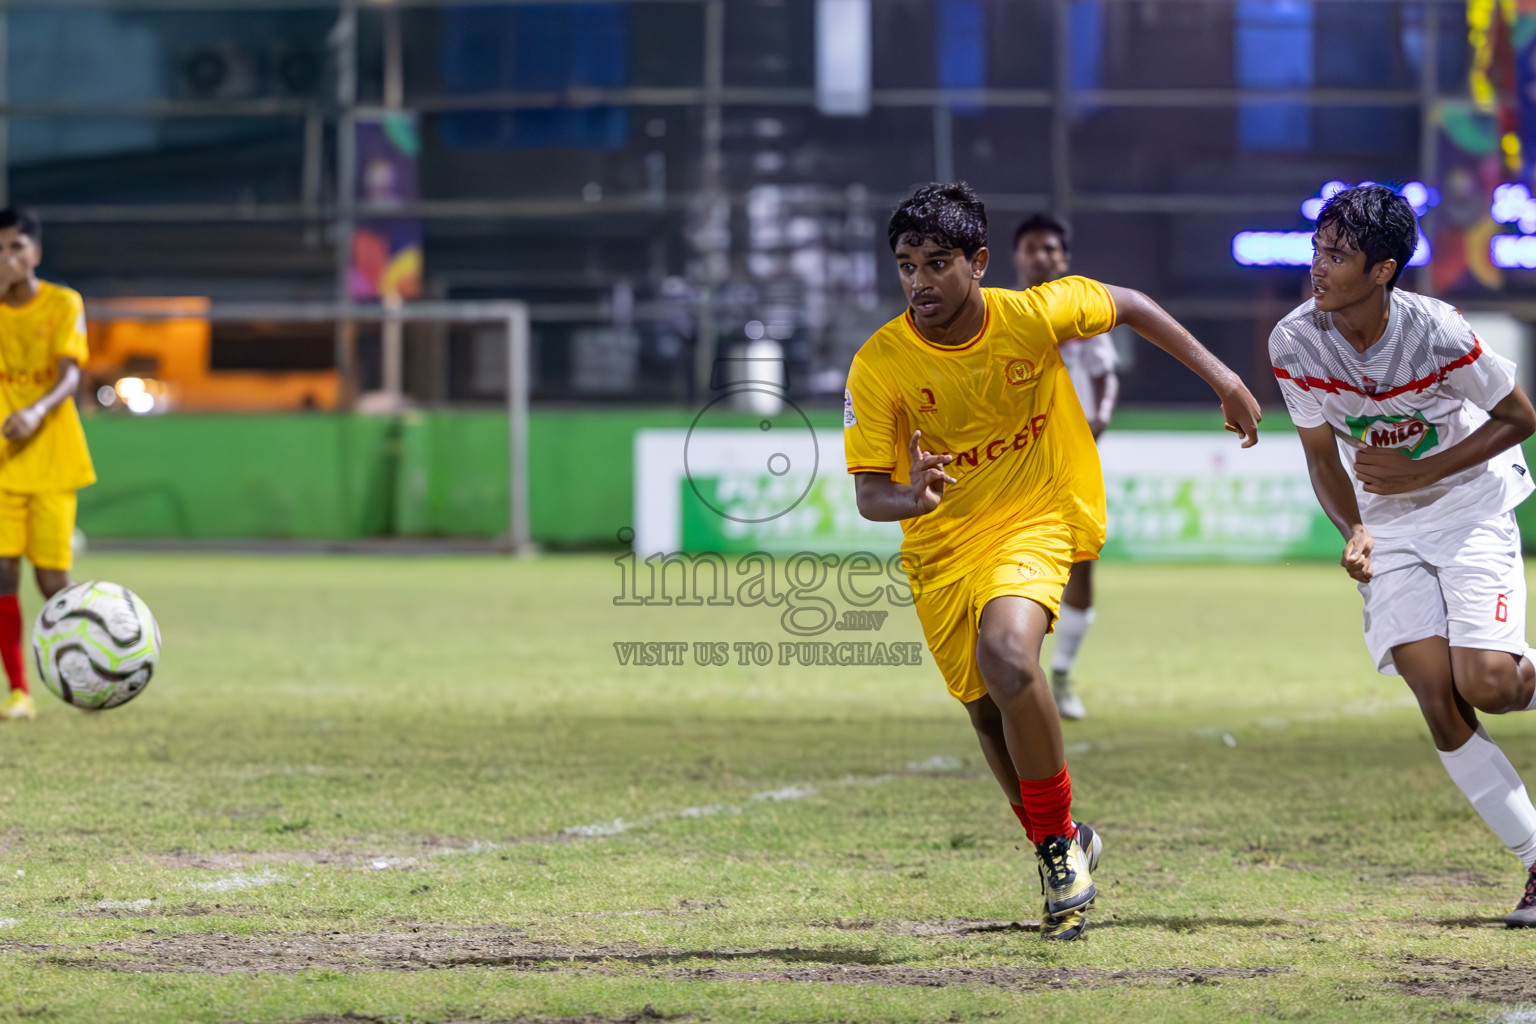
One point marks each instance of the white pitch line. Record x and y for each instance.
(708, 811)
(936, 763)
(1519, 1014)
(237, 881)
(597, 830)
(787, 793)
(477, 846)
(798, 791)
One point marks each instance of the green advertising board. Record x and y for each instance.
(1172, 496)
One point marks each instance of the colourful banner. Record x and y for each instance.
(386, 251)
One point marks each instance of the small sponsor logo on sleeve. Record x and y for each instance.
(849, 419)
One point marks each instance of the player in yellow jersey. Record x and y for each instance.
(1042, 251)
(960, 422)
(43, 458)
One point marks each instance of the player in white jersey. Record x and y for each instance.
(1394, 390)
(1042, 251)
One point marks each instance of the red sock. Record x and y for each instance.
(10, 642)
(1048, 802)
(1018, 812)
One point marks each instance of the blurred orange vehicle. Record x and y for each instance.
(193, 365)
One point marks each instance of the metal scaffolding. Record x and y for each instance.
(332, 206)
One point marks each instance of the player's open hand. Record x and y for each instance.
(1357, 554)
(1242, 412)
(1391, 471)
(928, 476)
(22, 423)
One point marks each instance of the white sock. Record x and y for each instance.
(1482, 772)
(1071, 626)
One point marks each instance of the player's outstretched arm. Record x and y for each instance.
(1336, 494)
(1152, 322)
(883, 500)
(1391, 471)
(24, 422)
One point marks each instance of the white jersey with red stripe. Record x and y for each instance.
(1422, 387)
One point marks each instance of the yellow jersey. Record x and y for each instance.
(32, 340)
(1003, 405)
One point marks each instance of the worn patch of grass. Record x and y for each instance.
(425, 790)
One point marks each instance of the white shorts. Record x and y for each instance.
(1466, 584)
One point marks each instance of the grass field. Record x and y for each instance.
(424, 790)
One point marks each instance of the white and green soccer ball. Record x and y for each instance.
(96, 645)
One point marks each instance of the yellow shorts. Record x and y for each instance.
(1033, 565)
(40, 526)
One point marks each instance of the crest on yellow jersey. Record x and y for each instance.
(1019, 371)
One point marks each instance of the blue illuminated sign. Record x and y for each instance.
(1512, 204)
(1294, 248)
(1513, 252)
(1272, 248)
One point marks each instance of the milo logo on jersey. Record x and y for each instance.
(1414, 435)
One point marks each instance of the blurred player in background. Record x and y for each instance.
(1394, 390)
(959, 422)
(43, 458)
(1042, 251)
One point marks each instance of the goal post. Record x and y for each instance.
(519, 334)
(511, 315)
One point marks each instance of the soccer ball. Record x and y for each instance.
(96, 645)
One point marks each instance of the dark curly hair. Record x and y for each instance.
(949, 215)
(24, 221)
(1376, 221)
(1044, 222)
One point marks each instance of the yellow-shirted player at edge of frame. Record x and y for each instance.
(961, 422)
(43, 457)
